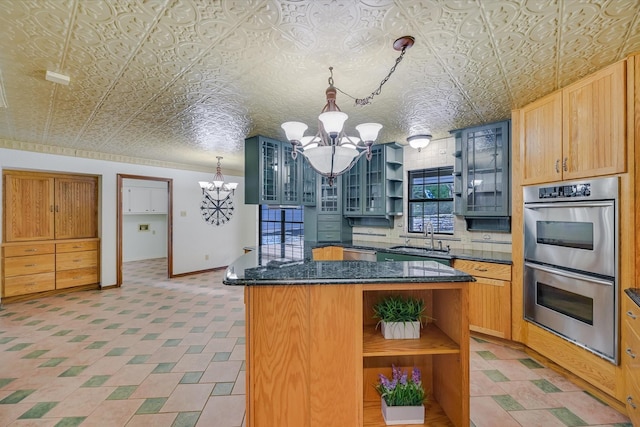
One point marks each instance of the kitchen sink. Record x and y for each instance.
(420, 250)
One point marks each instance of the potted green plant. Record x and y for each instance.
(400, 318)
(402, 397)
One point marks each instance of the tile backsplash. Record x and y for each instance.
(438, 153)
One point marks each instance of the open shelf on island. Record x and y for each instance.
(432, 341)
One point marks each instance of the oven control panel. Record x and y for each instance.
(564, 191)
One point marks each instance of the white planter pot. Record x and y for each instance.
(400, 330)
(396, 415)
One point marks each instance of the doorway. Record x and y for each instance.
(148, 200)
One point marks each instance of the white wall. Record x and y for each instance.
(193, 238)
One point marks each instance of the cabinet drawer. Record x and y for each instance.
(328, 236)
(77, 277)
(484, 269)
(31, 249)
(631, 346)
(632, 398)
(329, 226)
(329, 217)
(73, 260)
(22, 285)
(84, 245)
(23, 265)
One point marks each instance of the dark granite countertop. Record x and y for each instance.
(634, 294)
(472, 255)
(291, 265)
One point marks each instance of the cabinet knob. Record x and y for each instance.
(630, 353)
(631, 314)
(481, 269)
(30, 265)
(557, 165)
(630, 402)
(564, 164)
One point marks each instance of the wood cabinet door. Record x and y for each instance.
(541, 140)
(28, 207)
(594, 124)
(76, 207)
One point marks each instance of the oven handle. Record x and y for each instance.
(568, 274)
(568, 205)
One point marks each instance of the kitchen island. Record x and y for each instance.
(313, 353)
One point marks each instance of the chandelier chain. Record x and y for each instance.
(367, 100)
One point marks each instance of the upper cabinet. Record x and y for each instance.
(45, 206)
(373, 188)
(576, 132)
(482, 175)
(145, 200)
(273, 177)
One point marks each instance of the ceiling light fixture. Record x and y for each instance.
(331, 152)
(57, 78)
(217, 207)
(419, 141)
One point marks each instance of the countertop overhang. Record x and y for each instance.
(275, 265)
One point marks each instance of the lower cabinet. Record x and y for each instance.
(314, 354)
(33, 267)
(631, 359)
(489, 297)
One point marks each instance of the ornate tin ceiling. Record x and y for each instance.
(182, 81)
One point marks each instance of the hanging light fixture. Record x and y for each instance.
(419, 141)
(217, 207)
(331, 152)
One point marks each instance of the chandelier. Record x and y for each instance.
(331, 152)
(217, 207)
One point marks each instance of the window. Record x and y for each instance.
(431, 199)
(281, 225)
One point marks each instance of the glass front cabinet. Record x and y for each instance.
(374, 187)
(273, 177)
(482, 175)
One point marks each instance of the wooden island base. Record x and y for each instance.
(314, 354)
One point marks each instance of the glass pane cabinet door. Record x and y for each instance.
(290, 176)
(308, 183)
(329, 202)
(352, 189)
(485, 157)
(375, 179)
(270, 184)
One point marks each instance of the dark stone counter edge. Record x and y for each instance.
(399, 281)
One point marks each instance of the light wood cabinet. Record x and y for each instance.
(49, 206)
(28, 207)
(577, 132)
(76, 263)
(489, 297)
(28, 268)
(630, 350)
(50, 232)
(304, 341)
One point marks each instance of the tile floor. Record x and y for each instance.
(160, 352)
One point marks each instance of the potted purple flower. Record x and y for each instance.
(402, 397)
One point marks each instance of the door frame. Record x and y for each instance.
(119, 216)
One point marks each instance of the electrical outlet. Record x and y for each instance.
(486, 236)
(443, 151)
(183, 213)
(206, 257)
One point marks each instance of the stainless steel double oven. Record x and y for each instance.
(571, 262)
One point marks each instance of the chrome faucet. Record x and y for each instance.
(428, 231)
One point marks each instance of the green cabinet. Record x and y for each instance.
(482, 176)
(390, 256)
(373, 188)
(324, 222)
(273, 177)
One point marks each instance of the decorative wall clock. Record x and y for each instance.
(216, 212)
